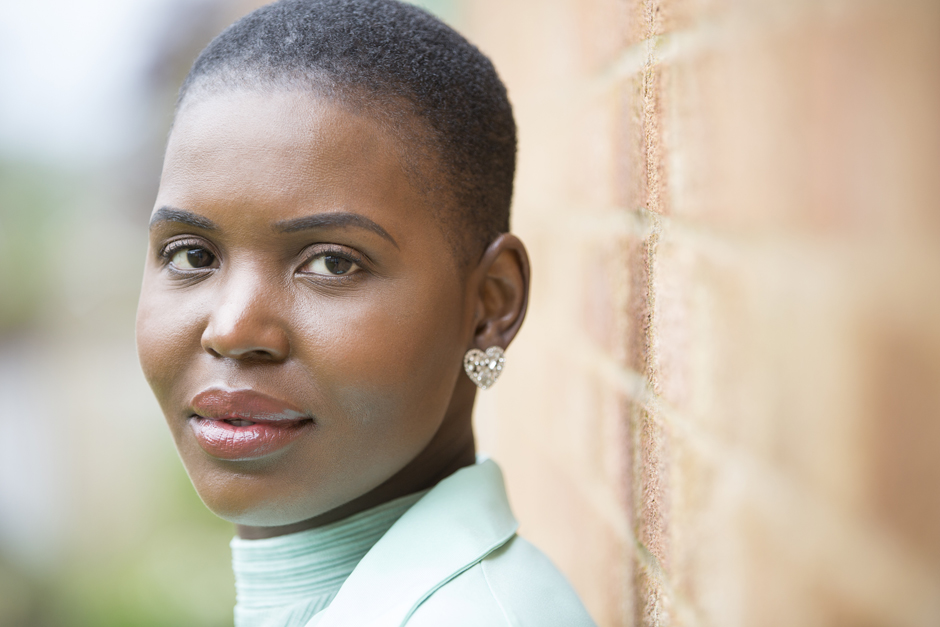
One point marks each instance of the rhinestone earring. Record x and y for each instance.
(484, 368)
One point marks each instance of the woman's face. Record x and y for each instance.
(301, 320)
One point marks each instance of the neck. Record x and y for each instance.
(451, 449)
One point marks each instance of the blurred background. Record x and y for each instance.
(724, 408)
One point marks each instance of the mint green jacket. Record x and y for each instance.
(454, 560)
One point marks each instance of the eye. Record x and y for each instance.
(330, 264)
(192, 258)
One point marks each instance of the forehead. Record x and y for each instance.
(283, 154)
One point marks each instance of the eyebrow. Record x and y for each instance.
(322, 220)
(170, 214)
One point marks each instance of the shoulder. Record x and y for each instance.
(514, 586)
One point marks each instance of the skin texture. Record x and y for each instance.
(265, 191)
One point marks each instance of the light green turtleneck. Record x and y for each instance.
(284, 581)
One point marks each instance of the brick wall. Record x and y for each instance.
(724, 408)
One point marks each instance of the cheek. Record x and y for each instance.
(166, 331)
(392, 355)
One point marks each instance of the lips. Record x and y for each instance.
(244, 424)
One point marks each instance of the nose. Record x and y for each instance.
(245, 325)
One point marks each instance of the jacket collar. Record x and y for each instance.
(459, 522)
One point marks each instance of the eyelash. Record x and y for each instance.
(317, 250)
(332, 250)
(171, 248)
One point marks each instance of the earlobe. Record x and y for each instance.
(502, 292)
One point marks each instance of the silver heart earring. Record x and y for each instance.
(484, 368)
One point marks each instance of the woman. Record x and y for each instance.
(329, 259)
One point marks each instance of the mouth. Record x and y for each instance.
(239, 425)
(239, 422)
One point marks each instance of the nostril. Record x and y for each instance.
(251, 338)
(256, 354)
(260, 355)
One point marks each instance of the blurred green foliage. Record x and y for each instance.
(32, 197)
(179, 573)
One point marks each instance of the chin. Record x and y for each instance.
(242, 509)
(245, 499)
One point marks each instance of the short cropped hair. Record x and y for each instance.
(401, 62)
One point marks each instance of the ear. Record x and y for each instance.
(501, 284)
